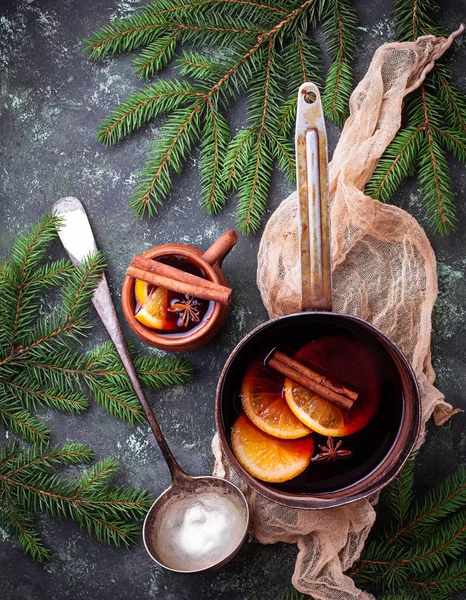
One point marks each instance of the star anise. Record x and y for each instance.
(188, 308)
(332, 451)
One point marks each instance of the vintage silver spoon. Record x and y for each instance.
(198, 523)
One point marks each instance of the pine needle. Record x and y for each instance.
(32, 482)
(41, 366)
(241, 44)
(420, 551)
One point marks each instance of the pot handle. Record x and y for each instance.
(220, 248)
(313, 199)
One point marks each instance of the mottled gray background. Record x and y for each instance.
(52, 99)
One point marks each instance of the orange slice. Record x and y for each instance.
(153, 312)
(264, 404)
(266, 457)
(142, 290)
(323, 416)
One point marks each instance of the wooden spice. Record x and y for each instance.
(171, 278)
(309, 379)
(317, 377)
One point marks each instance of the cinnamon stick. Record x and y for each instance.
(159, 268)
(299, 377)
(335, 386)
(171, 278)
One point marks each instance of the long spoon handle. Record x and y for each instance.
(78, 240)
(313, 197)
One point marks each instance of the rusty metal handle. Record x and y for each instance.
(313, 199)
(78, 240)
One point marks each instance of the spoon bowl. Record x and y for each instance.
(198, 524)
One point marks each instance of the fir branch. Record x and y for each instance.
(397, 162)
(124, 35)
(288, 116)
(398, 496)
(214, 145)
(31, 397)
(434, 174)
(447, 581)
(446, 498)
(27, 252)
(340, 16)
(415, 18)
(243, 30)
(158, 372)
(436, 123)
(236, 157)
(22, 525)
(419, 559)
(255, 181)
(181, 132)
(420, 146)
(244, 5)
(119, 403)
(198, 66)
(22, 423)
(31, 482)
(284, 153)
(450, 97)
(453, 140)
(156, 55)
(415, 553)
(303, 61)
(42, 368)
(200, 119)
(144, 29)
(141, 107)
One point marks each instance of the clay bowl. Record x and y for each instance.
(210, 262)
(397, 430)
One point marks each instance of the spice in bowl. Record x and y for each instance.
(297, 407)
(172, 295)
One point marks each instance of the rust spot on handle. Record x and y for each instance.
(313, 198)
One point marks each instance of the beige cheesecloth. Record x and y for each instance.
(383, 271)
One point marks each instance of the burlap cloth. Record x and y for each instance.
(383, 271)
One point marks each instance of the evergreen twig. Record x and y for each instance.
(31, 483)
(340, 24)
(421, 552)
(258, 38)
(38, 366)
(254, 35)
(436, 125)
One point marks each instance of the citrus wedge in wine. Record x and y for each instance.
(264, 404)
(326, 417)
(142, 290)
(266, 457)
(153, 312)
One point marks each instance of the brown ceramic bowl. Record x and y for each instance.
(396, 426)
(211, 264)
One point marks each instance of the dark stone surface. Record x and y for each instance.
(52, 100)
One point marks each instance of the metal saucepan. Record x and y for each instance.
(398, 429)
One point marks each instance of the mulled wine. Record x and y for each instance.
(171, 313)
(348, 444)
